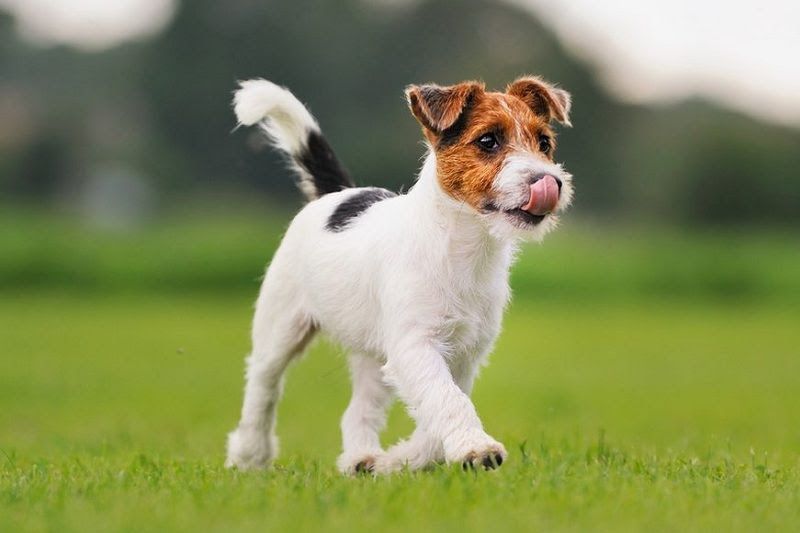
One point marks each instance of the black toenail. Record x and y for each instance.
(487, 462)
(498, 459)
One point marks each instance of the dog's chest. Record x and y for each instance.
(472, 315)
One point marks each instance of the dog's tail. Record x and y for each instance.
(292, 129)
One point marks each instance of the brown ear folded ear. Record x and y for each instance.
(437, 108)
(544, 99)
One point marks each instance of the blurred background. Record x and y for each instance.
(116, 117)
(119, 112)
(135, 223)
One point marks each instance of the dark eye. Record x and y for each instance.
(544, 144)
(489, 142)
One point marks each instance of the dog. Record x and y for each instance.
(414, 285)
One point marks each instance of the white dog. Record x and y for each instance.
(413, 285)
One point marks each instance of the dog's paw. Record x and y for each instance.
(352, 464)
(419, 452)
(250, 449)
(476, 450)
(386, 464)
(488, 459)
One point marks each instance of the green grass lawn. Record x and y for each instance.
(665, 415)
(644, 379)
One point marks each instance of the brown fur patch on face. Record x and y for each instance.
(467, 170)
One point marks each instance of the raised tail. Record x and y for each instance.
(291, 129)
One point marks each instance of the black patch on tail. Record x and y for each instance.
(354, 205)
(318, 159)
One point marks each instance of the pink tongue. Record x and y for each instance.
(544, 196)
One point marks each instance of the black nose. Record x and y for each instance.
(539, 176)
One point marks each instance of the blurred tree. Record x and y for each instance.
(162, 108)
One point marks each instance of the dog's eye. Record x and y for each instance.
(489, 142)
(544, 144)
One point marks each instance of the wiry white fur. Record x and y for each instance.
(512, 189)
(282, 117)
(415, 289)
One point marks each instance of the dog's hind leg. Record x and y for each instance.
(281, 330)
(364, 417)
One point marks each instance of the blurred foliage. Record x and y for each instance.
(220, 253)
(162, 110)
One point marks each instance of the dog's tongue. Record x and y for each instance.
(544, 196)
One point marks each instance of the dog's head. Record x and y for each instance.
(494, 151)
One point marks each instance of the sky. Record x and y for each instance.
(742, 54)
(89, 24)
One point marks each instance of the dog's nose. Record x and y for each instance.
(539, 176)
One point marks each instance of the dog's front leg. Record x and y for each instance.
(422, 379)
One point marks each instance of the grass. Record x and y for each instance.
(218, 253)
(114, 411)
(630, 394)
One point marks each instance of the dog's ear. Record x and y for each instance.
(543, 98)
(437, 108)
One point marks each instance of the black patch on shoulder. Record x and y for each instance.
(354, 205)
(318, 159)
